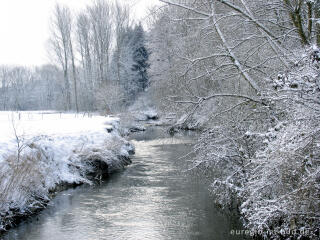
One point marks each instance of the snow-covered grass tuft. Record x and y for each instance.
(42, 150)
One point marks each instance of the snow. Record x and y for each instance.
(74, 128)
(53, 148)
(51, 123)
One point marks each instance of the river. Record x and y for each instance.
(154, 198)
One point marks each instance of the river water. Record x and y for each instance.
(154, 198)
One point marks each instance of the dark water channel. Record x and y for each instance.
(154, 198)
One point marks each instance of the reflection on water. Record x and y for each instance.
(154, 198)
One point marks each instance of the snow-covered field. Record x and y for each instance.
(66, 129)
(40, 150)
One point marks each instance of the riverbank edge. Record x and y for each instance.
(101, 171)
(15, 216)
(247, 233)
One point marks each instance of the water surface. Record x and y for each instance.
(154, 198)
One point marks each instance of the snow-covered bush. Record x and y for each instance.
(224, 154)
(270, 166)
(283, 187)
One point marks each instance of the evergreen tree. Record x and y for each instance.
(140, 58)
(133, 59)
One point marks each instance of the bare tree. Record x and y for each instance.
(84, 38)
(101, 20)
(60, 43)
(74, 74)
(122, 22)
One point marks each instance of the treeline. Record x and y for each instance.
(99, 62)
(246, 73)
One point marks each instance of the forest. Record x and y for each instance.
(244, 74)
(99, 62)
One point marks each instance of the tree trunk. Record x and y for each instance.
(66, 81)
(295, 15)
(317, 17)
(74, 77)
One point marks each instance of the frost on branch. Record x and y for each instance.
(270, 168)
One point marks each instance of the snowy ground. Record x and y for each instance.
(29, 125)
(40, 150)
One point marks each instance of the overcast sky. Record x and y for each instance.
(24, 27)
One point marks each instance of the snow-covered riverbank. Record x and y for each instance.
(42, 151)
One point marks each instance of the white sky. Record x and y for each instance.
(24, 27)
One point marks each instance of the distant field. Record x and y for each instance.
(30, 124)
